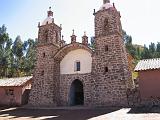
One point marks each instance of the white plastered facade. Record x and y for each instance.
(67, 65)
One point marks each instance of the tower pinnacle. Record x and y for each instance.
(50, 13)
(73, 37)
(106, 1)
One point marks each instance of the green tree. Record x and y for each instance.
(158, 50)
(128, 43)
(30, 58)
(158, 47)
(92, 43)
(5, 51)
(17, 58)
(18, 54)
(146, 53)
(152, 50)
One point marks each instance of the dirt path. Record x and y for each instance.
(79, 114)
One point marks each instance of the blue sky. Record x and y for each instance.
(140, 18)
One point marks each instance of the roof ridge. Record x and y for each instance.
(148, 64)
(15, 81)
(150, 59)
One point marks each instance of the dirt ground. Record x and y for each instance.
(80, 114)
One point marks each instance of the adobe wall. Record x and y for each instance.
(10, 100)
(149, 83)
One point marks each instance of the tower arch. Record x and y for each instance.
(70, 47)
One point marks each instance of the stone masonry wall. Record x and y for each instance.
(110, 87)
(43, 90)
(110, 66)
(45, 85)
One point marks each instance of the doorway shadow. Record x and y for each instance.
(76, 95)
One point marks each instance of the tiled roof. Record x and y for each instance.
(14, 81)
(148, 64)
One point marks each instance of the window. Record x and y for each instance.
(46, 35)
(106, 48)
(9, 92)
(77, 66)
(56, 37)
(105, 27)
(44, 55)
(42, 73)
(106, 69)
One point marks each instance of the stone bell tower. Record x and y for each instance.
(45, 84)
(110, 65)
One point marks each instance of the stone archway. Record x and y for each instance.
(70, 47)
(76, 95)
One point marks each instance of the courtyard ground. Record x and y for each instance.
(80, 114)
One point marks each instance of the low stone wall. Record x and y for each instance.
(133, 97)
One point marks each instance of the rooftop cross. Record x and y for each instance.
(49, 8)
(73, 32)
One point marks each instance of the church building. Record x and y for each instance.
(75, 74)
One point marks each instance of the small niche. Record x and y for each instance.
(42, 73)
(106, 48)
(44, 55)
(106, 69)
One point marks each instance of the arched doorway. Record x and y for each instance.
(76, 95)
